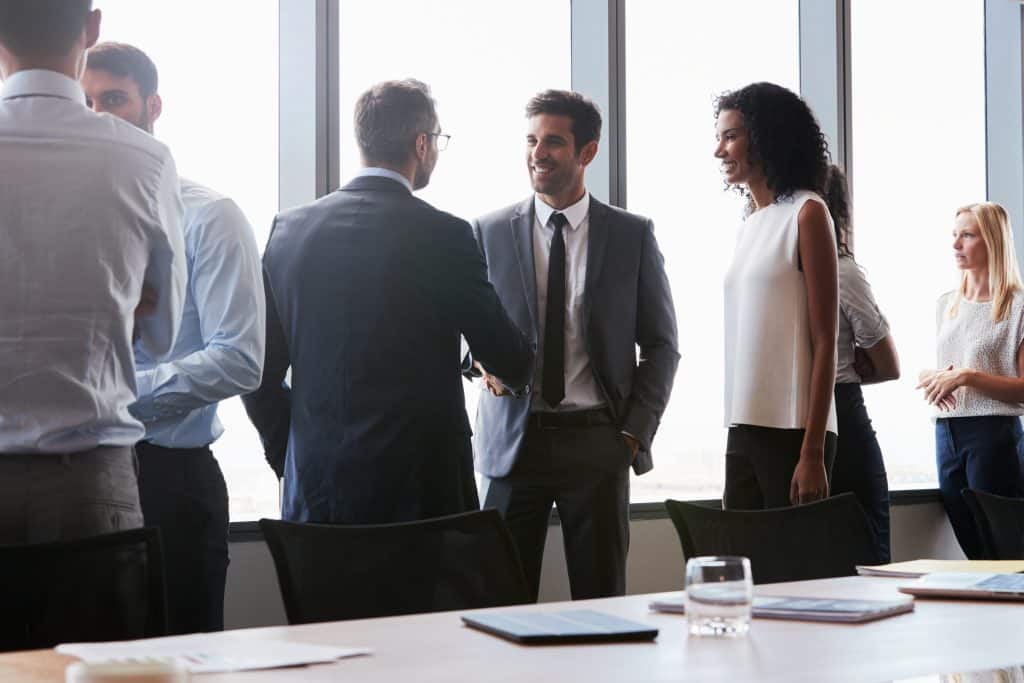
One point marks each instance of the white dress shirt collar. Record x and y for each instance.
(378, 172)
(41, 82)
(574, 213)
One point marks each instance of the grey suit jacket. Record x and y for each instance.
(627, 303)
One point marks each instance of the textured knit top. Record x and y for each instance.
(861, 323)
(768, 357)
(973, 340)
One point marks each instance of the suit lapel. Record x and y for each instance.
(522, 236)
(596, 243)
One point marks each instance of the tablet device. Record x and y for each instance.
(964, 585)
(577, 626)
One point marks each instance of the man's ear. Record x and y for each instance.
(92, 28)
(422, 140)
(588, 153)
(156, 107)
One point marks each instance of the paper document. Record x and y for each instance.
(916, 568)
(213, 652)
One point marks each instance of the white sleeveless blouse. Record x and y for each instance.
(767, 324)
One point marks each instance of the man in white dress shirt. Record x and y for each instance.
(218, 354)
(91, 217)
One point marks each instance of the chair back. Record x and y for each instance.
(814, 541)
(107, 587)
(1000, 523)
(332, 572)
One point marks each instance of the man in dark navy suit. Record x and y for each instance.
(368, 291)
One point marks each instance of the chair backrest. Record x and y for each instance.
(815, 541)
(331, 572)
(108, 587)
(1000, 522)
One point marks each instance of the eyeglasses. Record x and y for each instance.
(442, 140)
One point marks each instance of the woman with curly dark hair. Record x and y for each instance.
(781, 302)
(866, 355)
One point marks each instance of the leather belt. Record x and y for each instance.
(570, 419)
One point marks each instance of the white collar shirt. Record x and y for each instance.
(581, 390)
(91, 214)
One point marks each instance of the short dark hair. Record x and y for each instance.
(784, 137)
(390, 116)
(42, 28)
(584, 114)
(125, 60)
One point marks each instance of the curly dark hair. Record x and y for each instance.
(837, 198)
(784, 137)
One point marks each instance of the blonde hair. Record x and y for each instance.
(1003, 275)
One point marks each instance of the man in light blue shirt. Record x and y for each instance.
(217, 354)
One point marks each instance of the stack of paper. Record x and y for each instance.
(212, 653)
(916, 568)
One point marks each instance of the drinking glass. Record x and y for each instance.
(719, 593)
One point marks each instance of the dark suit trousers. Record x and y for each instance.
(182, 491)
(584, 472)
(759, 465)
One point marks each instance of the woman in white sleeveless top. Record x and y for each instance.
(977, 388)
(781, 302)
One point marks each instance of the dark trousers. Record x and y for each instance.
(759, 465)
(64, 496)
(859, 468)
(978, 453)
(584, 472)
(183, 492)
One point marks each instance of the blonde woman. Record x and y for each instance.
(978, 389)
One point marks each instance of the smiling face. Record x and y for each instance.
(733, 148)
(969, 248)
(556, 170)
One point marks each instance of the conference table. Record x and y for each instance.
(939, 637)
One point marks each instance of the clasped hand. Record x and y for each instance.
(939, 386)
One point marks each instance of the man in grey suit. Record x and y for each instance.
(588, 282)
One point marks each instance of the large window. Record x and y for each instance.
(219, 89)
(679, 56)
(494, 58)
(918, 114)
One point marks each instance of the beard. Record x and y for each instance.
(422, 176)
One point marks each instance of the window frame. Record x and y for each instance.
(309, 117)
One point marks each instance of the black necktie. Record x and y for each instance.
(553, 379)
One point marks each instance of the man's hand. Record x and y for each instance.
(492, 383)
(634, 445)
(939, 386)
(810, 482)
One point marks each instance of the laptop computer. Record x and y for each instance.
(965, 585)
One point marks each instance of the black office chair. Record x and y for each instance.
(814, 541)
(1000, 523)
(331, 572)
(108, 587)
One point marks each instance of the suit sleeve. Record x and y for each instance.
(269, 407)
(493, 338)
(659, 348)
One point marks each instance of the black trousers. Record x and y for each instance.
(584, 471)
(759, 465)
(182, 491)
(859, 468)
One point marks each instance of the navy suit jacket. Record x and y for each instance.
(626, 303)
(368, 290)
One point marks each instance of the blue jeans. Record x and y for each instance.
(859, 468)
(978, 453)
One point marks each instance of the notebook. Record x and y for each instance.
(810, 609)
(577, 626)
(963, 585)
(916, 568)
